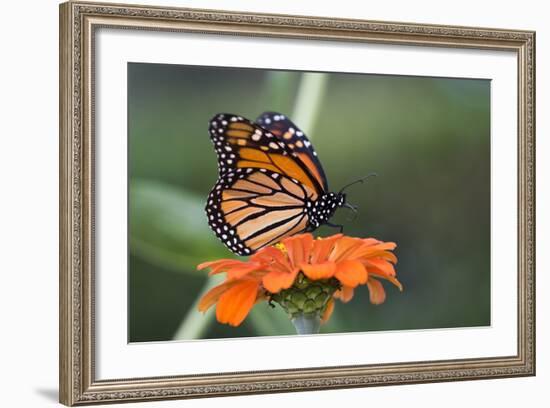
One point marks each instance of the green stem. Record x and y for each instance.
(307, 323)
(195, 324)
(309, 98)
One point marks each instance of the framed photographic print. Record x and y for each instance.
(256, 203)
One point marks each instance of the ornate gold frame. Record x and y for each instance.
(78, 22)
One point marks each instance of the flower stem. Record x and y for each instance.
(307, 323)
(309, 98)
(195, 324)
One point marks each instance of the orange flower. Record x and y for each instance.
(342, 262)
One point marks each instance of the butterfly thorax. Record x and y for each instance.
(320, 211)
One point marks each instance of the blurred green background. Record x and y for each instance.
(428, 139)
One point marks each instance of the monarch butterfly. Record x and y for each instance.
(270, 182)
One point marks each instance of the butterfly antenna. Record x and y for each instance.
(361, 180)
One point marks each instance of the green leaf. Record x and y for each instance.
(168, 227)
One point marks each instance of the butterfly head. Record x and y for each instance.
(324, 208)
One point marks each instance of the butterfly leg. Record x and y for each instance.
(340, 227)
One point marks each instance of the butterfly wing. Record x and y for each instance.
(262, 190)
(255, 208)
(296, 142)
(240, 143)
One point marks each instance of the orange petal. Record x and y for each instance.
(370, 241)
(389, 278)
(344, 246)
(213, 295)
(234, 305)
(318, 271)
(384, 255)
(298, 248)
(351, 273)
(273, 259)
(388, 256)
(274, 281)
(241, 271)
(322, 248)
(345, 294)
(239, 268)
(376, 291)
(266, 254)
(216, 264)
(380, 265)
(367, 251)
(328, 311)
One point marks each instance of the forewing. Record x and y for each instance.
(241, 144)
(295, 141)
